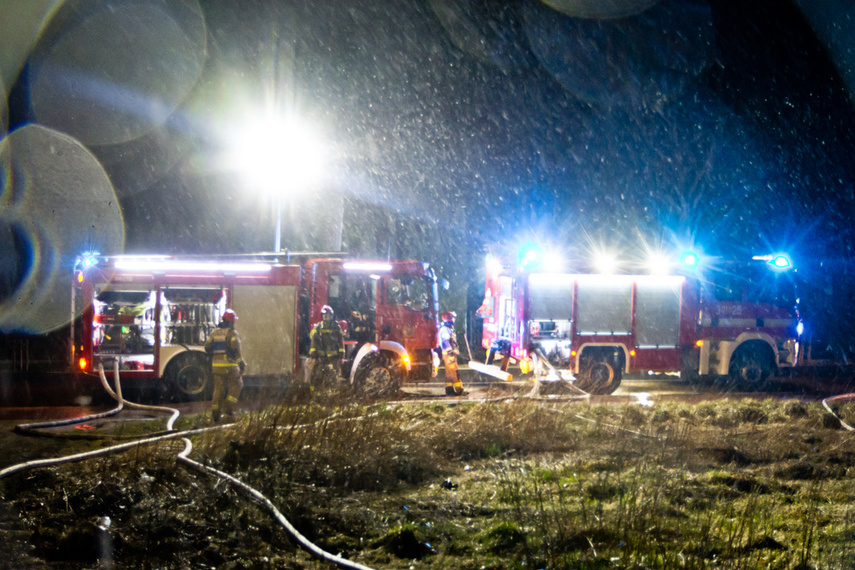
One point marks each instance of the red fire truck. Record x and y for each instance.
(739, 320)
(152, 315)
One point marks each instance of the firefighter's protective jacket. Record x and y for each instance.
(223, 344)
(448, 341)
(327, 340)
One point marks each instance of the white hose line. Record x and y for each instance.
(103, 451)
(182, 457)
(830, 411)
(117, 395)
(308, 545)
(59, 423)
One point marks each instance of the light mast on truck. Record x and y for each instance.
(740, 319)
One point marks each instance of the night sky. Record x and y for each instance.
(450, 129)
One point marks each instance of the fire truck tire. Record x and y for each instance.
(376, 377)
(750, 369)
(188, 377)
(602, 378)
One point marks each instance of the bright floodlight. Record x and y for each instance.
(658, 264)
(605, 263)
(278, 153)
(553, 262)
(494, 265)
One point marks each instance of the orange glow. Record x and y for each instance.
(80, 277)
(699, 343)
(632, 353)
(82, 363)
(572, 353)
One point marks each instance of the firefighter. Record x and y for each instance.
(448, 344)
(327, 349)
(227, 366)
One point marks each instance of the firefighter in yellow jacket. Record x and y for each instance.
(450, 351)
(327, 349)
(223, 344)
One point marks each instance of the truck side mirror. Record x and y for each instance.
(443, 283)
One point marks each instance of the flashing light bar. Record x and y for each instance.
(367, 266)
(175, 265)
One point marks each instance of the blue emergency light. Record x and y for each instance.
(690, 259)
(780, 261)
(89, 259)
(529, 257)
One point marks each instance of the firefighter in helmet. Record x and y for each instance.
(327, 349)
(448, 344)
(227, 366)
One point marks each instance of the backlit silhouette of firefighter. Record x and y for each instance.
(227, 366)
(327, 349)
(448, 344)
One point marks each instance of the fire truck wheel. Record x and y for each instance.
(187, 377)
(601, 378)
(376, 377)
(749, 370)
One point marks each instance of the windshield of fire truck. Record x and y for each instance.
(756, 284)
(411, 292)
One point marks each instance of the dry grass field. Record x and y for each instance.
(515, 483)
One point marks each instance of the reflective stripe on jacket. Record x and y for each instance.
(327, 341)
(223, 345)
(447, 341)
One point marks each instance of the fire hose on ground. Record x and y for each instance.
(183, 458)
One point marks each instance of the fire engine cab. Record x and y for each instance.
(736, 319)
(152, 315)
